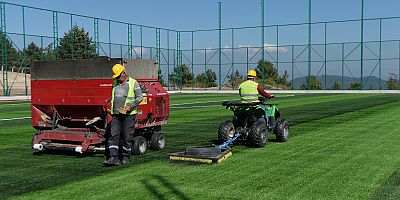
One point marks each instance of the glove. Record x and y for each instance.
(122, 110)
(261, 99)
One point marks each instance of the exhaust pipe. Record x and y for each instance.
(38, 147)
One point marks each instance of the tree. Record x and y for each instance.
(283, 80)
(235, 79)
(13, 57)
(161, 78)
(33, 53)
(76, 44)
(48, 52)
(270, 73)
(355, 86)
(315, 84)
(336, 86)
(207, 79)
(392, 83)
(187, 76)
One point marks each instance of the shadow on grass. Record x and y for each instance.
(166, 184)
(66, 153)
(388, 190)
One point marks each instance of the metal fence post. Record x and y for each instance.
(55, 34)
(23, 30)
(4, 49)
(219, 45)
(362, 44)
(309, 45)
(262, 44)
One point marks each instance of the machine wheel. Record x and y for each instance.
(226, 131)
(157, 141)
(139, 146)
(282, 130)
(258, 136)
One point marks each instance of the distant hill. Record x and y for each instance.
(369, 82)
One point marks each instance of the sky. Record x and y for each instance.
(195, 15)
(188, 15)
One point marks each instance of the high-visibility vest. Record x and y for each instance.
(248, 91)
(129, 99)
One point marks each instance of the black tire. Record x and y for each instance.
(139, 146)
(226, 131)
(157, 141)
(282, 130)
(258, 136)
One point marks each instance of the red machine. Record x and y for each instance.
(70, 100)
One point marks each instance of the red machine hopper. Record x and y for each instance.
(70, 100)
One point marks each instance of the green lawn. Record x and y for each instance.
(341, 147)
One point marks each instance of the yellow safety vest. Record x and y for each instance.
(129, 99)
(248, 91)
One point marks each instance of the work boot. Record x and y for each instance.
(125, 160)
(112, 161)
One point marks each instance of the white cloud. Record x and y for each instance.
(252, 49)
(207, 50)
(273, 48)
(226, 49)
(267, 47)
(138, 50)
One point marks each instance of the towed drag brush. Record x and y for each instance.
(205, 154)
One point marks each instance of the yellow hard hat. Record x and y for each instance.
(117, 70)
(252, 73)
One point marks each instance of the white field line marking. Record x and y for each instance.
(196, 106)
(17, 118)
(289, 95)
(191, 103)
(13, 104)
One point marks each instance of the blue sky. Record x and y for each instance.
(191, 14)
(195, 15)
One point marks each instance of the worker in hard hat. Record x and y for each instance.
(250, 90)
(126, 96)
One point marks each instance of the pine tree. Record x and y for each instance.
(270, 73)
(76, 44)
(206, 79)
(234, 79)
(187, 76)
(315, 84)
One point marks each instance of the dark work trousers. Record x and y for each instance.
(122, 129)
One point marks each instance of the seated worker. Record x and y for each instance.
(250, 90)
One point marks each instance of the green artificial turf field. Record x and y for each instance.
(341, 147)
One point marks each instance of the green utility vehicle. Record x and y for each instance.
(251, 124)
